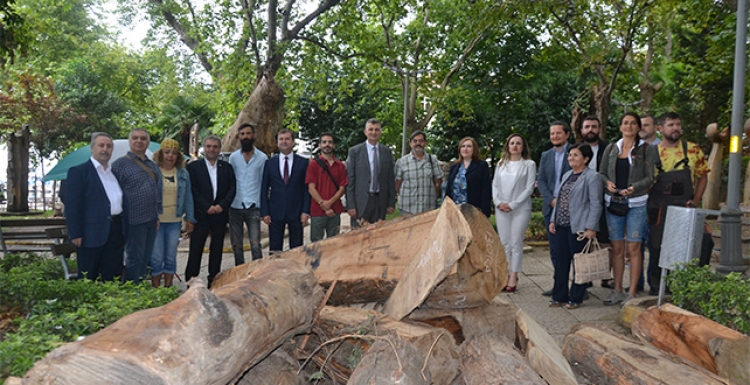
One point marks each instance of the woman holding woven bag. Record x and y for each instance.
(578, 209)
(628, 171)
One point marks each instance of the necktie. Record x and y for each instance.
(286, 170)
(375, 173)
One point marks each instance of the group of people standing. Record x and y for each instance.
(617, 193)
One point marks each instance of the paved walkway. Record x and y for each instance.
(536, 278)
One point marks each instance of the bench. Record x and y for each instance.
(62, 249)
(33, 229)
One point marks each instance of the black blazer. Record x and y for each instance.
(200, 184)
(478, 185)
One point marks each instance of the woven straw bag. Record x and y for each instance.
(592, 263)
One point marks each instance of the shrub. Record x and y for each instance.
(724, 299)
(536, 228)
(54, 311)
(536, 203)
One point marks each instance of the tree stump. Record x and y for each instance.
(465, 324)
(542, 352)
(202, 337)
(492, 359)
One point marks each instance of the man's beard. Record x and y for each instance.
(247, 144)
(326, 150)
(418, 150)
(591, 137)
(674, 137)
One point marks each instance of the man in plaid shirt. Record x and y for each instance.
(140, 181)
(418, 178)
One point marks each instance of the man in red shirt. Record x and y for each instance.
(326, 181)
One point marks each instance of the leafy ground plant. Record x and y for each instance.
(47, 311)
(724, 299)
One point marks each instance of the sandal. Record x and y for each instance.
(608, 283)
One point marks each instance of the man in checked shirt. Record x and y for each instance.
(418, 178)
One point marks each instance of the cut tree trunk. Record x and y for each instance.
(492, 359)
(712, 196)
(605, 357)
(18, 171)
(697, 339)
(202, 337)
(277, 369)
(389, 363)
(265, 111)
(434, 343)
(432, 263)
(466, 324)
(367, 263)
(542, 352)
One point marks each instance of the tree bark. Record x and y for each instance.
(397, 362)
(465, 324)
(18, 170)
(542, 351)
(277, 369)
(492, 359)
(202, 337)
(697, 339)
(436, 345)
(605, 357)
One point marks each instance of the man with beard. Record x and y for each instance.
(552, 166)
(326, 181)
(248, 163)
(681, 181)
(418, 178)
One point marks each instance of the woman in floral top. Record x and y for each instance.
(469, 180)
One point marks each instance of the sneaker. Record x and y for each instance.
(627, 298)
(614, 298)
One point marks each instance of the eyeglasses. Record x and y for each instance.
(418, 141)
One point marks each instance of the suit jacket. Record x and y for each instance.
(358, 172)
(284, 201)
(546, 176)
(203, 195)
(478, 185)
(523, 186)
(87, 207)
(585, 201)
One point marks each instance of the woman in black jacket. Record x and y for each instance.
(469, 180)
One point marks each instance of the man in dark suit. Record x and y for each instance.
(370, 167)
(552, 166)
(213, 185)
(284, 197)
(93, 202)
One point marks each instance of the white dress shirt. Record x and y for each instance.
(281, 164)
(111, 187)
(212, 174)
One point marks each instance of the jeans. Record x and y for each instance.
(138, 250)
(250, 218)
(324, 225)
(566, 246)
(164, 257)
(630, 227)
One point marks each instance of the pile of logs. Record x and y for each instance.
(409, 301)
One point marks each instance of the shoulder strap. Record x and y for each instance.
(144, 167)
(324, 165)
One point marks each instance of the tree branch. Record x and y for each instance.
(248, 11)
(191, 42)
(272, 26)
(328, 49)
(325, 6)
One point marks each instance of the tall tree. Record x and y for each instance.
(267, 30)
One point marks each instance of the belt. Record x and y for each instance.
(252, 206)
(117, 217)
(373, 194)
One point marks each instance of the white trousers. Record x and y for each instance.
(511, 227)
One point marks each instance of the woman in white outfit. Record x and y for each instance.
(512, 186)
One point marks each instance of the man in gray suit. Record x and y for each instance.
(371, 192)
(552, 166)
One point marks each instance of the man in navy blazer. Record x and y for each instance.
(93, 204)
(552, 166)
(213, 184)
(284, 197)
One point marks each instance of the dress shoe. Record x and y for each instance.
(554, 303)
(547, 293)
(510, 289)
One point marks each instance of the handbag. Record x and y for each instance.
(592, 263)
(617, 208)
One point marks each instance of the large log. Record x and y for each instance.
(465, 324)
(436, 257)
(605, 357)
(697, 339)
(492, 359)
(202, 337)
(542, 352)
(434, 343)
(367, 263)
(392, 362)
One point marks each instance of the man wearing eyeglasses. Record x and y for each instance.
(418, 178)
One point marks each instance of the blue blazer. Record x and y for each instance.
(478, 185)
(280, 201)
(546, 176)
(87, 208)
